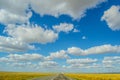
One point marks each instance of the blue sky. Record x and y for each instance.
(60, 36)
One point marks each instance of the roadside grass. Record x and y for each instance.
(74, 76)
(22, 75)
(77, 76)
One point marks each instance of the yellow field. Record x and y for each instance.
(28, 76)
(94, 76)
(21, 75)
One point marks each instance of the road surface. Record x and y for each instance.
(58, 77)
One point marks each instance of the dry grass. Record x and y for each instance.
(28, 76)
(94, 76)
(21, 75)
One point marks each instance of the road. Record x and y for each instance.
(58, 77)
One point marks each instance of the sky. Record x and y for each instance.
(60, 36)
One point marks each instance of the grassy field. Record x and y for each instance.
(28, 76)
(21, 75)
(94, 76)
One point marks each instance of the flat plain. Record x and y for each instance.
(22, 75)
(80, 76)
(51, 76)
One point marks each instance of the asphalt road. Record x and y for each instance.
(58, 77)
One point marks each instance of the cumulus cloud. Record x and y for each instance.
(57, 55)
(31, 33)
(18, 64)
(19, 37)
(76, 30)
(15, 6)
(63, 27)
(111, 60)
(89, 63)
(80, 63)
(21, 57)
(13, 15)
(75, 9)
(107, 48)
(7, 17)
(112, 17)
(8, 44)
(27, 65)
(75, 51)
(15, 12)
(48, 64)
(36, 61)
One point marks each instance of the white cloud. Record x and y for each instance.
(22, 65)
(20, 37)
(16, 7)
(57, 55)
(81, 61)
(7, 17)
(28, 61)
(65, 27)
(76, 30)
(8, 44)
(94, 50)
(75, 9)
(112, 17)
(48, 64)
(31, 33)
(25, 57)
(4, 59)
(94, 65)
(22, 57)
(76, 66)
(111, 60)
(107, 64)
(15, 12)
(75, 51)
